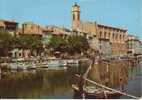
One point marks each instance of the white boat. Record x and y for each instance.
(18, 59)
(72, 62)
(91, 92)
(63, 62)
(57, 68)
(17, 66)
(21, 66)
(13, 66)
(53, 63)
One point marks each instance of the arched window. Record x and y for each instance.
(116, 36)
(120, 37)
(105, 35)
(100, 34)
(123, 37)
(113, 36)
(109, 35)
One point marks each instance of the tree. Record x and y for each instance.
(6, 43)
(58, 43)
(77, 44)
(72, 44)
(9, 42)
(29, 42)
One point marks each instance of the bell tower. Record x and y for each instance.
(75, 16)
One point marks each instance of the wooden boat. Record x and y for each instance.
(93, 93)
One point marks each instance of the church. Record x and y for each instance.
(108, 40)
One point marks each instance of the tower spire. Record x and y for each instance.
(75, 4)
(75, 16)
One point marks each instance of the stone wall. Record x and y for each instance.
(31, 28)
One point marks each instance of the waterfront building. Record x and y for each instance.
(9, 26)
(94, 43)
(115, 35)
(28, 28)
(61, 31)
(105, 47)
(134, 45)
(55, 30)
(31, 29)
(20, 53)
(49, 31)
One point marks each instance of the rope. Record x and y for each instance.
(100, 85)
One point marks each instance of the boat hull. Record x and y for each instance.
(100, 95)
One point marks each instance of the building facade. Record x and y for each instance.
(31, 28)
(9, 26)
(20, 53)
(134, 45)
(105, 47)
(115, 35)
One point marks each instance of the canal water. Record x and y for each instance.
(56, 83)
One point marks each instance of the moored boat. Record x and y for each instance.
(72, 62)
(12, 66)
(94, 93)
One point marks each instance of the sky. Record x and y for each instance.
(120, 13)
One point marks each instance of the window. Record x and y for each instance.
(100, 45)
(25, 25)
(73, 16)
(31, 27)
(113, 36)
(105, 35)
(120, 37)
(78, 16)
(108, 35)
(116, 36)
(123, 37)
(100, 34)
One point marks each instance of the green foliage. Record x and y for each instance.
(71, 44)
(29, 42)
(6, 43)
(6, 40)
(77, 44)
(58, 43)
(46, 39)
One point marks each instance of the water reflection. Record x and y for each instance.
(112, 75)
(120, 75)
(45, 83)
(20, 84)
(134, 83)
